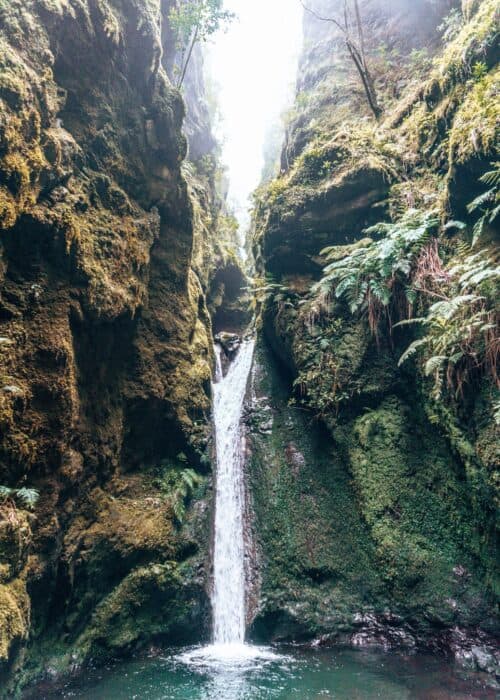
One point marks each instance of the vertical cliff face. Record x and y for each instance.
(374, 490)
(403, 474)
(106, 343)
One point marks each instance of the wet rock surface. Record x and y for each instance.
(322, 577)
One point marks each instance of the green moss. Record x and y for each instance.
(14, 616)
(98, 255)
(15, 539)
(475, 128)
(379, 519)
(476, 38)
(332, 163)
(412, 497)
(149, 602)
(423, 478)
(315, 551)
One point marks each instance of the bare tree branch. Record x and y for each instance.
(360, 32)
(357, 54)
(186, 63)
(323, 19)
(366, 80)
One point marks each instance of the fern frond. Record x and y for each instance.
(493, 215)
(480, 201)
(410, 321)
(412, 349)
(447, 309)
(434, 363)
(454, 224)
(380, 292)
(478, 229)
(492, 177)
(28, 496)
(344, 285)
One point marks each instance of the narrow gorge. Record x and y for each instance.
(250, 398)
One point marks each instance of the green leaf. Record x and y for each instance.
(480, 201)
(433, 364)
(492, 177)
(410, 321)
(412, 349)
(455, 224)
(28, 496)
(344, 285)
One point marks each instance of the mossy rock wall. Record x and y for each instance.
(106, 340)
(365, 461)
(364, 531)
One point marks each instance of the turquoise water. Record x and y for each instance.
(288, 674)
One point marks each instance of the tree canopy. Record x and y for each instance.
(193, 21)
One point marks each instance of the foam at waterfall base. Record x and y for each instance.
(235, 654)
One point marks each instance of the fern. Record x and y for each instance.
(480, 201)
(26, 497)
(461, 330)
(447, 309)
(434, 363)
(496, 412)
(412, 349)
(400, 267)
(178, 485)
(367, 277)
(487, 203)
(492, 177)
(410, 321)
(5, 492)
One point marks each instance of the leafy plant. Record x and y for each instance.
(496, 412)
(264, 289)
(420, 59)
(393, 275)
(451, 24)
(194, 21)
(317, 383)
(183, 483)
(488, 203)
(461, 330)
(26, 497)
(479, 70)
(370, 277)
(177, 485)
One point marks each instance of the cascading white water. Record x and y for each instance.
(228, 600)
(218, 363)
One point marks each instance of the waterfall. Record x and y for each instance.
(228, 600)
(218, 363)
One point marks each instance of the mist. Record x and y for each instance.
(253, 65)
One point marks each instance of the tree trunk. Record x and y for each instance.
(366, 79)
(358, 55)
(188, 57)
